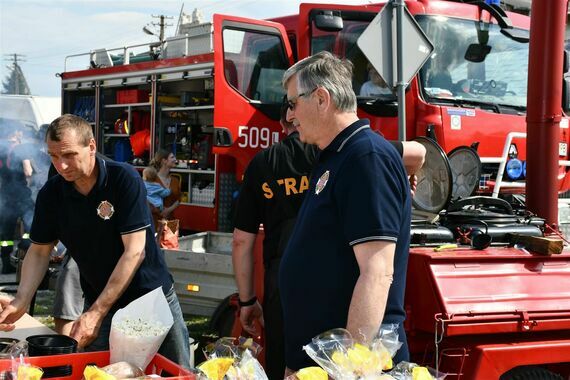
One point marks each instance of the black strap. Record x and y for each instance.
(248, 302)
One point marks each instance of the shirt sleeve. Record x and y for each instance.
(371, 197)
(399, 146)
(248, 210)
(132, 209)
(164, 192)
(44, 225)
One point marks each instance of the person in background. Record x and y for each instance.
(376, 85)
(98, 210)
(8, 219)
(37, 167)
(19, 163)
(345, 263)
(265, 199)
(15, 196)
(163, 161)
(155, 192)
(68, 301)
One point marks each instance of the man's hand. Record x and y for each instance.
(248, 315)
(86, 328)
(413, 183)
(12, 310)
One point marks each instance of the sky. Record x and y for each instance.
(47, 31)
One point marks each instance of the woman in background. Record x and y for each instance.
(163, 162)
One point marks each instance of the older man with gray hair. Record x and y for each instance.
(345, 264)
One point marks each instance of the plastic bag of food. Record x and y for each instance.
(246, 368)
(20, 369)
(92, 372)
(138, 330)
(342, 357)
(29, 372)
(232, 359)
(215, 368)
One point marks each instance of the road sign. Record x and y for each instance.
(378, 42)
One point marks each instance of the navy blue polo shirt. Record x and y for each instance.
(358, 192)
(91, 227)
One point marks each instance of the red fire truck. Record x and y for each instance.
(213, 97)
(499, 312)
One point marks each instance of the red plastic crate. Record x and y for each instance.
(159, 365)
(132, 96)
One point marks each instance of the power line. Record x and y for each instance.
(16, 83)
(14, 58)
(160, 24)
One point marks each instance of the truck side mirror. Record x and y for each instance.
(329, 21)
(566, 93)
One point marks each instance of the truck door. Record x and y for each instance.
(250, 57)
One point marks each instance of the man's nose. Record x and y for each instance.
(290, 115)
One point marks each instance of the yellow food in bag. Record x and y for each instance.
(359, 359)
(216, 368)
(29, 372)
(92, 372)
(340, 359)
(312, 373)
(421, 373)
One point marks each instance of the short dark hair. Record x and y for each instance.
(70, 122)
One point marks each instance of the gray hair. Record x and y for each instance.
(325, 70)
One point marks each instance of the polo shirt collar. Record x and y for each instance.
(99, 184)
(346, 134)
(291, 135)
(102, 176)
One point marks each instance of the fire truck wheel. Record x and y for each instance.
(530, 373)
(223, 319)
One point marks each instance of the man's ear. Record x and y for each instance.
(92, 147)
(323, 97)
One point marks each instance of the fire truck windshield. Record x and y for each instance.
(366, 82)
(473, 63)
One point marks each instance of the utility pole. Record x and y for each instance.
(161, 24)
(16, 83)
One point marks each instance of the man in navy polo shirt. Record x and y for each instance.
(345, 264)
(98, 210)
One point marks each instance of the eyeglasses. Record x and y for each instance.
(291, 103)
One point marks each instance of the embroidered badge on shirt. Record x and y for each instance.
(105, 210)
(322, 182)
